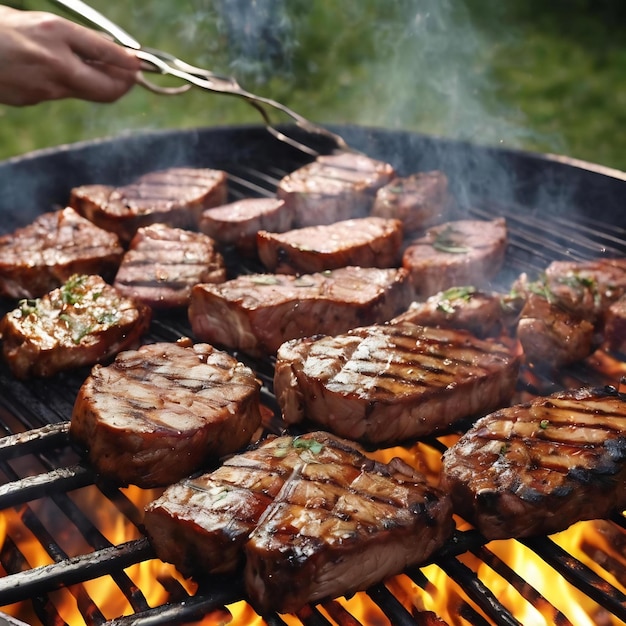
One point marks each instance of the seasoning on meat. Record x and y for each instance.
(256, 313)
(175, 196)
(419, 200)
(237, 223)
(364, 242)
(537, 468)
(314, 516)
(85, 321)
(41, 256)
(333, 188)
(463, 252)
(386, 384)
(163, 263)
(159, 413)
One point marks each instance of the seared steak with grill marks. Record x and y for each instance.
(315, 517)
(237, 223)
(465, 308)
(389, 383)
(536, 468)
(85, 321)
(256, 313)
(464, 252)
(333, 188)
(40, 257)
(176, 197)
(420, 200)
(365, 242)
(163, 411)
(163, 263)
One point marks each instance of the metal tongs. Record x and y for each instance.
(158, 61)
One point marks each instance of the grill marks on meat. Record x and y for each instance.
(85, 321)
(333, 188)
(163, 411)
(41, 256)
(256, 313)
(315, 517)
(176, 197)
(389, 383)
(163, 263)
(419, 200)
(365, 242)
(237, 223)
(463, 252)
(539, 467)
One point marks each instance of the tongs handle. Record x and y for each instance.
(95, 18)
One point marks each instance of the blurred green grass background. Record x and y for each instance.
(530, 74)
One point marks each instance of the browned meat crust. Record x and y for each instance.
(237, 223)
(464, 252)
(465, 308)
(333, 188)
(419, 200)
(364, 242)
(256, 313)
(176, 197)
(315, 517)
(163, 411)
(390, 383)
(536, 468)
(85, 321)
(41, 256)
(163, 263)
(615, 326)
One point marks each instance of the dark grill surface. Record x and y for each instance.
(554, 211)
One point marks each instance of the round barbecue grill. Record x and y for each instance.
(555, 208)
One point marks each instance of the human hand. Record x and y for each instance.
(46, 57)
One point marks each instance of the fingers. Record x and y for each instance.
(99, 82)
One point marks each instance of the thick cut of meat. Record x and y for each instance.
(176, 197)
(364, 242)
(386, 384)
(614, 330)
(333, 188)
(159, 413)
(551, 336)
(536, 468)
(85, 321)
(163, 263)
(237, 223)
(256, 313)
(463, 252)
(41, 256)
(315, 517)
(420, 200)
(465, 308)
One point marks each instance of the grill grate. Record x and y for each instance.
(42, 471)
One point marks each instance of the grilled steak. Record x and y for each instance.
(256, 313)
(237, 223)
(159, 413)
(315, 517)
(420, 200)
(385, 384)
(614, 338)
(364, 242)
(464, 252)
(333, 188)
(40, 257)
(176, 197)
(464, 308)
(551, 336)
(85, 321)
(163, 263)
(536, 468)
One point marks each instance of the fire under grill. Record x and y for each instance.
(72, 550)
